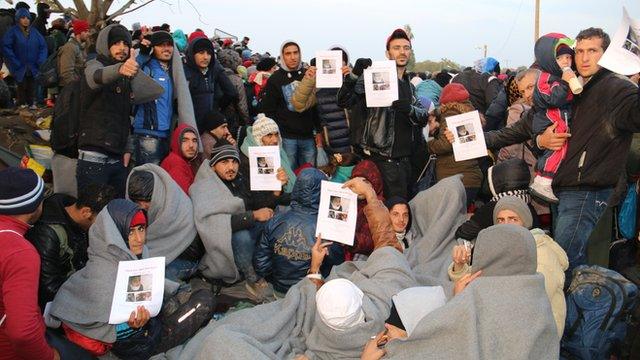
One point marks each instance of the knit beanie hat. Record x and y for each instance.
(22, 12)
(21, 191)
(197, 35)
(229, 59)
(398, 34)
(339, 304)
(200, 44)
(119, 33)
(263, 126)
(160, 37)
(138, 219)
(246, 54)
(140, 186)
(223, 150)
(454, 93)
(563, 49)
(516, 205)
(79, 26)
(266, 64)
(213, 119)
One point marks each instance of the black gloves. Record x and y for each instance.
(360, 65)
(312, 62)
(402, 106)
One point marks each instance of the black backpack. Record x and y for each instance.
(66, 120)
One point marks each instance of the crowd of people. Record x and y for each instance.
(151, 135)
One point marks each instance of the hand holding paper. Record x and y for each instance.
(337, 213)
(469, 137)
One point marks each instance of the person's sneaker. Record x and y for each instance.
(261, 290)
(541, 189)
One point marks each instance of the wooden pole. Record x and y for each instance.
(536, 35)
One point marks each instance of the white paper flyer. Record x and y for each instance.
(337, 213)
(264, 162)
(329, 69)
(381, 83)
(623, 54)
(139, 282)
(469, 138)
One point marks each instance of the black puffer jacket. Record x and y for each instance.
(381, 130)
(334, 121)
(510, 177)
(59, 258)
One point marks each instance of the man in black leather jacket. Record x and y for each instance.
(60, 235)
(387, 135)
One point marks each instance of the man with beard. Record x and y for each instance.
(388, 134)
(111, 84)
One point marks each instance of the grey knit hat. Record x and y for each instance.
(229, 59)
(516, 205)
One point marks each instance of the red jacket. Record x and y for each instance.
(22, 332)
(363, 243)
(175, 164)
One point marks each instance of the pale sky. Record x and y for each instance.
(454, 29)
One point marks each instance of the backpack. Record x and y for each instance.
(628, 213)
(66, 120)
(48, 72)
(187, 319)
(599, 301)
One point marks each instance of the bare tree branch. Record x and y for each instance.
(106, 4)
(83, 12)
(123, 10)
(197, 12)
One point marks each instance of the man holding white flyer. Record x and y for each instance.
(386, 135)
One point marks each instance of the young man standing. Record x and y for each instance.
(388, 134)
(297, 128)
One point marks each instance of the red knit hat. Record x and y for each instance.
(454, 93)
(79, 26)
(138, 219)
(196, 35)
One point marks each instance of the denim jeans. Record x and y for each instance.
(114, 174)
(577, 215)
(149, 149)
(300, 151)
(243, 244)
(180, 270)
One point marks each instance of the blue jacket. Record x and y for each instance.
(154, 117)
(283, 255)
(431, 90)
(22, 53)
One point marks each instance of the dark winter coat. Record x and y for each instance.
(209, 91)
(59, 257)
(22, 53)
(283, 255)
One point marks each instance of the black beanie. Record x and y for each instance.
(266, 64)
(200, 44)
(140, 186)
(160, 37)
(21, 191)
(119, 33)
(213, 119)
(394, 318)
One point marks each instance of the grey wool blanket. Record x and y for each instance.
(437, 213)
(289, 327)
(504, 314)
(171, 228)
(84, 300)
(213, 205)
